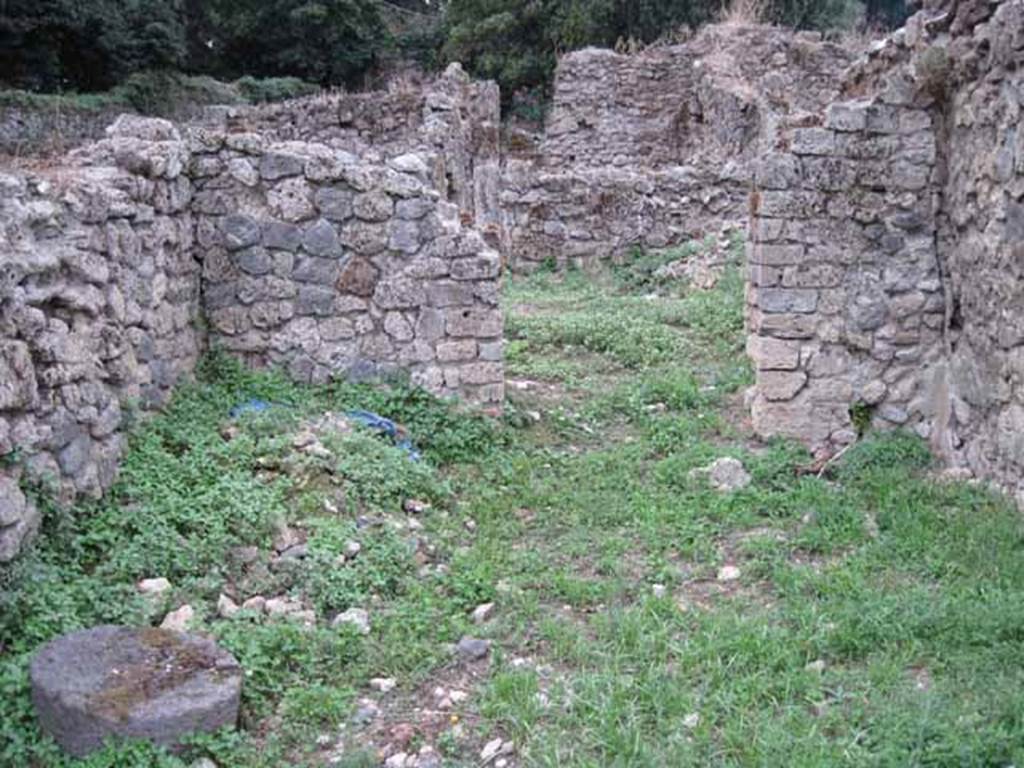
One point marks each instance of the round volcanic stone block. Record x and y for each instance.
(112, 682)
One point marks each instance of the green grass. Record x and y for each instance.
(910, 592)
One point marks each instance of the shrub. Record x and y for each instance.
(257, 91)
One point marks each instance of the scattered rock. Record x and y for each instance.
(124, 683)
(286, 537)
(818, 665)
(399, 760)
(728, 573)
(256, 603)
(659, 590)
(416, 507)
(289, 608)
(203, 762)
(356, 617)
(383, 684)
(401, 734)
(226, 607)
(473, 648)
(154, 587)
(727, 474)
(482, 613)
(496, 748)
(428, 758)
(352, 548)
(470, 524)
(691, 721)
(298, 552)
(366, 712)
(178, 620)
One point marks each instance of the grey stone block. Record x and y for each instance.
(112, 682)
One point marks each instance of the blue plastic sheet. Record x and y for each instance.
(250, 406)
(374, 421)
(386, 427)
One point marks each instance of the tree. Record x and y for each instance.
(73, 45)
(328, 42)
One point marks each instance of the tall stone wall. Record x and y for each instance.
(99, 295)
(907, 208)
(981, 236)
(655, 149)
(124, 262)
(845, 287)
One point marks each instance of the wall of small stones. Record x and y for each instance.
(30, 129)
(99, 294)
(981, 236)
(330, 266)
(845, 292)
(886, 257)
(124, 262)
(656, 148)
(452, 118)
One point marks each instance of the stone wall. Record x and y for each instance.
(28, 129)
(886, 262)
(452, 118)
(655, 149)
(126, 260)
(99, 295)
(845, 288)
(327, 266)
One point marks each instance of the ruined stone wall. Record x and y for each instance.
(981, 238)
(908, 205)
(845, 288)
(453, 119)
(330, 266)
(29, 129)
(99, 295)
(655, 149)
(124, 262)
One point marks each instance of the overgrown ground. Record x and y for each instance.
(877, 618)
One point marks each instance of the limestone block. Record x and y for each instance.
(398, 293)
(847, 117)
(291, 200)
(813, 141)
(473, 321)
(397, 326)
(795, 300)
(785, 325)
(771, 354)
(778, 171)
(365, 238)
(780, 385)
(373, 206)
(456, 351)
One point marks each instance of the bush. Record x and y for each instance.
(257, 91)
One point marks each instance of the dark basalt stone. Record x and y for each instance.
(110, 682)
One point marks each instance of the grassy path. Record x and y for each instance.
(870, 617)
